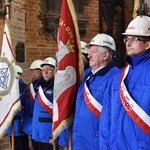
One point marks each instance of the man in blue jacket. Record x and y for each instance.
(125, 118)
(42, 114)
(43, 109)
(28, 96)
(89, 100)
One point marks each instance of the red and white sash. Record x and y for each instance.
(31, 93)
(45, 103)
(91, 102)
(137, 114)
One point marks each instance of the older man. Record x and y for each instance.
(90, 93)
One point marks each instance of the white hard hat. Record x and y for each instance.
(36, 65)
(18, 69)
(139, 26)
(49, 61)
(103, 40)
(83, 48)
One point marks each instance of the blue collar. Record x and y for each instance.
(134, 61)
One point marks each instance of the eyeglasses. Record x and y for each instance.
(47, 70)
(132, 40)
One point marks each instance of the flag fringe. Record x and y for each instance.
(136, 8)
(64, 124)
(73, 14)
(11, 118)
(12, 91)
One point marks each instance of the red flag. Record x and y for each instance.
(9, 84)
(69, 70)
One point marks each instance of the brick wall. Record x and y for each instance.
(24, 28)
(4, 144)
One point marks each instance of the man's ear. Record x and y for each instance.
(147, 47)
(106, 55)
(39, 73)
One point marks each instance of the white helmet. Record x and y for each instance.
(36, 65)
(103, 40)
(49, 61)
(139, 26)
(18, 69)
(83, 48)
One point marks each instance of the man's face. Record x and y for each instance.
(136, 45)
(96, 57)
(48, 72)
(35, 74)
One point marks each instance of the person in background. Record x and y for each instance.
(28, 96)
(85, 52)
(20, 138)
(89, 100)
(42, 114)
(125, 122)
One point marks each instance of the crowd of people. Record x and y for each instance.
(35, 118)
(112, 105)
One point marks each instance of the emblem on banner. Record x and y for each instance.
(7, 74)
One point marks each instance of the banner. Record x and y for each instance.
(69, 69)
(9, 84)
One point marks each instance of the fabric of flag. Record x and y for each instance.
(9, 85)
(69, 72)
(136, 8)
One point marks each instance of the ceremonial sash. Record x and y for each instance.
(91, 102)
(31, 93)
(137, 114)
(45, 103)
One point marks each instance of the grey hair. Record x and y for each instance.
(109, 50)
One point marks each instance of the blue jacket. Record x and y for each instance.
(63, 139)
(42, 119)
(86, 124)
(117, 130)
(28, 107)
(18, 118)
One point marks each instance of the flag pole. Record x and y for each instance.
(70, 138)
(12, 136)
(7, 4)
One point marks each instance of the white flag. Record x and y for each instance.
(9, 84)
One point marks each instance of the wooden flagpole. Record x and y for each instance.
(70, 138)
(12, 136)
